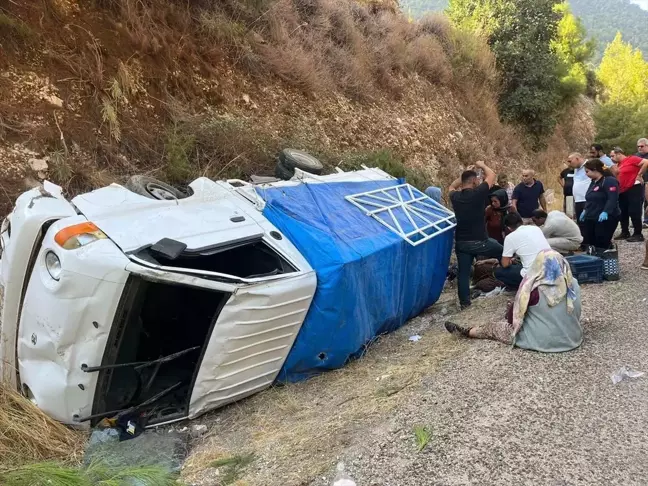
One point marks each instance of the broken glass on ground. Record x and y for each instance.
(166, 450)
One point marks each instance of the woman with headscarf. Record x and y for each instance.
(495, 213)
(546, 313)
(601, 214)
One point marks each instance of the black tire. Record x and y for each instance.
(293, 159)
(153, 189)
(283, 173)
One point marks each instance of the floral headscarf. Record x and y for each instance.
(550, 274)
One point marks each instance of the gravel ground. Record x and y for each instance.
(502, 416)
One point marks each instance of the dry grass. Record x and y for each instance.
(309, 423)
(317, 46)
(75, 174)
(28, 435)
(14, 30)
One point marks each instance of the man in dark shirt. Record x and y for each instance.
(566, 181)
(471, 240)
(642, 151)
(528, 195)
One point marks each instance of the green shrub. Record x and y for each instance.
(178, 151)
(621, 125)
(389, 162)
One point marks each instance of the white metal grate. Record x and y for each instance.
(406, 211)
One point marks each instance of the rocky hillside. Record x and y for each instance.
(94, 91)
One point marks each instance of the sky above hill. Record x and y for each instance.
(642, 3)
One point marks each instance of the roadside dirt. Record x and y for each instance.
(496, 415)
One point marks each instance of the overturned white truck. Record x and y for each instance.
(145, 298)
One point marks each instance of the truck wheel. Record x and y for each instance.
(283, 173)
(293, 159)
(153, 189)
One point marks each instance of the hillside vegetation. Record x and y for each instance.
(602, 19)
(99, 90)
(621, 117)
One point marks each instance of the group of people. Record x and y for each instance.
(616, 197)
(527, 243)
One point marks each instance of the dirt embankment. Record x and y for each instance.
(94, 91)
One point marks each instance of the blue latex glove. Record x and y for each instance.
(582, 216)
(603, 217)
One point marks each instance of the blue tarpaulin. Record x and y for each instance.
(369, 280)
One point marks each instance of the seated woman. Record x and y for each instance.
(495, 213)
(546, 314)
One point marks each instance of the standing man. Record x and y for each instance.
(467, 197)
(597, 152)
(528, 195)
(642, 151)
(580, 185)
(630, 176)
(566, 181)
(523, 241)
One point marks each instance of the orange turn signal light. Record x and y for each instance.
(78, 235)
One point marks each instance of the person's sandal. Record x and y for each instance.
(453, 328)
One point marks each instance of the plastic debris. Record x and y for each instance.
(342, 478)
(495, 292)
(624, 372)
(415, 338)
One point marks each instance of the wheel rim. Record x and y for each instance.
(159, 192)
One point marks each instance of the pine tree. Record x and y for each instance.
(574, 51)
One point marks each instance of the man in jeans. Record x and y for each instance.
(471, 240)
(630, 176)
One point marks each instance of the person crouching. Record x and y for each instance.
(524, 242)
(563, 235)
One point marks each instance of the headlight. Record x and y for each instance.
(53, 265)
(78, 235)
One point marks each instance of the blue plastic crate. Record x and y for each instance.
(586, 268)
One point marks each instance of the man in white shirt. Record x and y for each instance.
(524, 242)
(562, 234)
